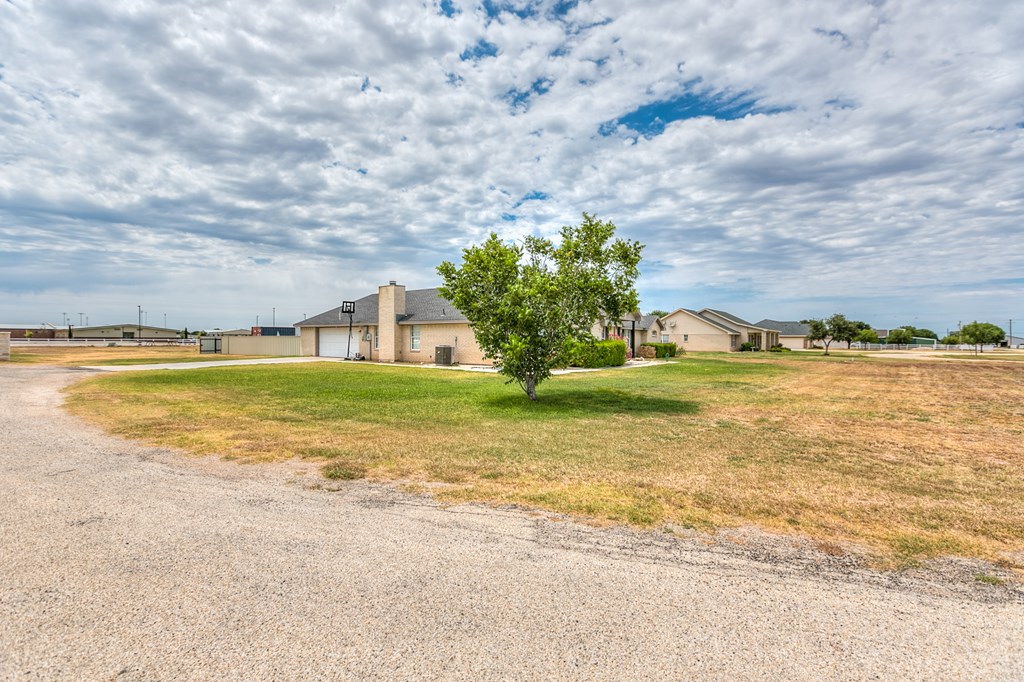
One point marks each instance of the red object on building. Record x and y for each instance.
(257, 331)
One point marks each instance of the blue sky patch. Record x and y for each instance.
(650, 120)
(535, 195)
(843, 38)
(508, 217)
(520, 99)
(362, 171)
(448, 9)
(494, 9)
(479, 51)
(562, 7)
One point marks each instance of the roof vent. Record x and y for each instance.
(392, 283)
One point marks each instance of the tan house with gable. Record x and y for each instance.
(393, 325)
(792, 335)
(714, 330)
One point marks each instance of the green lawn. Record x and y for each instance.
(909, 459)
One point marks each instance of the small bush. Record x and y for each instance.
(779, 348)
(747, 347)
(661, 350)
(596, 354)
(646, 351)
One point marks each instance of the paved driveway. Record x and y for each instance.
(132, 563)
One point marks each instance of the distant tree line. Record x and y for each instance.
(838, 327)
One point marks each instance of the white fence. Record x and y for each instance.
(102, 342)
(906, 346)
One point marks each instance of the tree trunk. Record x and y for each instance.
(530, 386)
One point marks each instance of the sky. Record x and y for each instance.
(215, 162)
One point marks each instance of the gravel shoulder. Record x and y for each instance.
(120, 561)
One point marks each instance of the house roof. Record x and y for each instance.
(702, 318)
(427, 305)
(421, 306)
(728, 316)
(785, 328)
(647, 321)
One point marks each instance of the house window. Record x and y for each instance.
(414, 337)
(686, 337)
(376, 338)
(664, 338)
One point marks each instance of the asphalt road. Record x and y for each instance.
(123, 562)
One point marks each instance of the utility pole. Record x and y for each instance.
(273, 319)
(165, 320)
(140, 325)
(64, 323)
(80, 319)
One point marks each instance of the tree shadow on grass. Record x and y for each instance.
(588, 403)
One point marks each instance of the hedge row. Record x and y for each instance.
(596, 354)
(662, 350)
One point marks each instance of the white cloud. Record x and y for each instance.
(154, 146)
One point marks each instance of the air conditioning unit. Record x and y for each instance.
(444, 355)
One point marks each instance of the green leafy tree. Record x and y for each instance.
(899, 337)
(950, 340)
(833, 328)
(527, 301)
(920, 332)
(857, 328)
(979, 334)
(866, 336)
(659, 313)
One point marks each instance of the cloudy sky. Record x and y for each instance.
(213, 162)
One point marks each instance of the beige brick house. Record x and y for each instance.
(714, 330)
(393, 325)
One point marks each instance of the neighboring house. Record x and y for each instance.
(393, 325)
(217, 331)
(1012, 342)
(273, 331)
(714, 330)
(117, 331)
(29, 331)
(635, 329)
(791, 334)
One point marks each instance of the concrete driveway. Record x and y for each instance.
(123, 562)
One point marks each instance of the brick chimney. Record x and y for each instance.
(390, 306)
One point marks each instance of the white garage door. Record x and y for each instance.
(334, 342)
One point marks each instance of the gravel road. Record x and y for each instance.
(123, 562)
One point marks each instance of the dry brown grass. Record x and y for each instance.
(908, 459)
